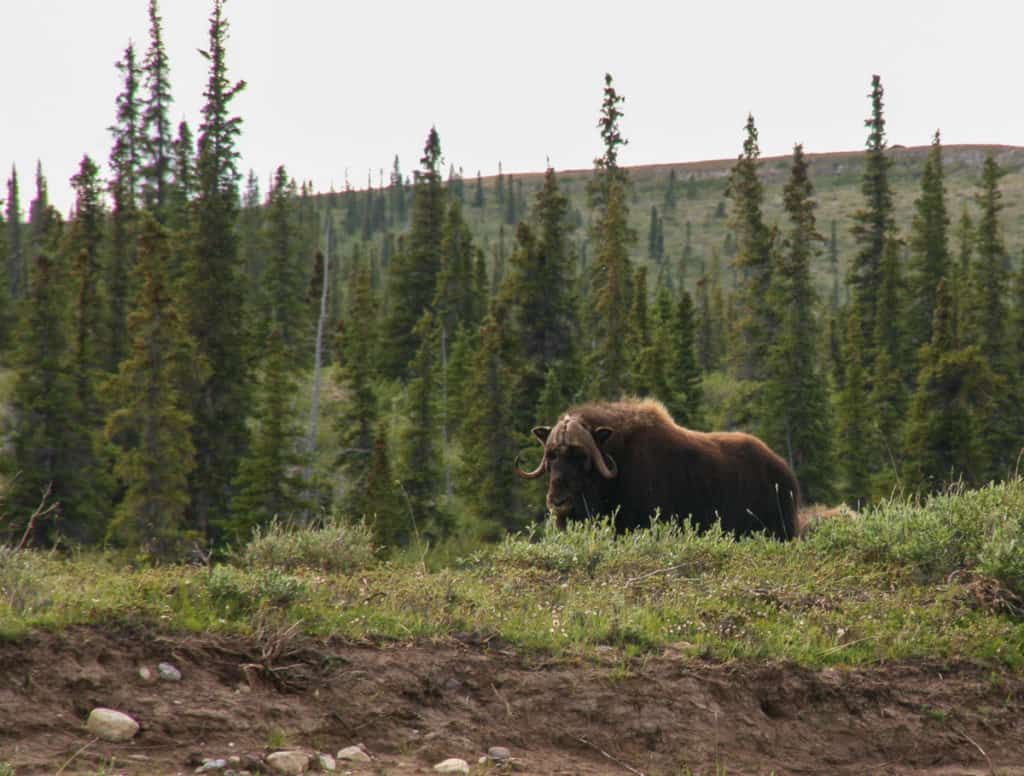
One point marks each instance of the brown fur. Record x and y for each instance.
(730, 477)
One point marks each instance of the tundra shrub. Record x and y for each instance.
(591, 546)
(979, 529)
(330, 544)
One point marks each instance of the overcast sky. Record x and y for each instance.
(338, 88)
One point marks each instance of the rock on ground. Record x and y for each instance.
(111, 725)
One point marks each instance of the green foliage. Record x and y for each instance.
(796, 418)
(269, 482)
(150, 424)
(929, 247)
(214, 294)
(899, 582)
(329, 544)
(873, 225)
(960, 530)
(43, 404)
(753, 263)
(412, 274)
(235, 592)
(488, 483)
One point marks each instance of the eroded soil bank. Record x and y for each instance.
(414, 705)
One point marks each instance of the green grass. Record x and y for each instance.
(902, 581)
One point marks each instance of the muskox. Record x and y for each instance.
(630, 458)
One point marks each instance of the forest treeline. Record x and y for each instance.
(190, 359)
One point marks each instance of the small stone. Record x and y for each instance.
(354, 754)
(168, 672)
(145, 674)
(452, 765)
(326, 763)
(289, 763)
(111, 725)
(499, 754)
(211, 766)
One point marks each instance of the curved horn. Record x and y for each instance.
(590, 445)
(535, 473)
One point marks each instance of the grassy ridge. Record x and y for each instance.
(944, 580)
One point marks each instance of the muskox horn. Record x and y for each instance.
(609, 470)
(541, 432)
(535, 473)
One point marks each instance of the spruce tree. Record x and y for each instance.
(281, 287)
(213, 290)
(539, 308)
(182, 187)
(421, 457)
(391, 523)
(454, 301)
(151, 423)
(488, 442)
(987, 322)
(412, 274)
(889, 374)
(852, 419)
(43, 402)
(949, 406)
(988, 276)
(478, 193)
(358, 420)
(125, 161)
(929, 249)
(155, 130)
(269, 482)
(873, 224)
(87, 359)
(753, 262)
(796, 414)
(17, 274)
(609, 313)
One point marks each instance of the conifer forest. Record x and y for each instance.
(192, 354)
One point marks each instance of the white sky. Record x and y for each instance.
(338, 87)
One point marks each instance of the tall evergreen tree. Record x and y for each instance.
(358, 421)
(150, 427)
(872, 224)
(88, 361)
(42, 404)
(540, 310)
(609, 315)
(988, 276)
(455, 300)
(796, 413)
(948, 406)
(489, 485)
(269, 482)
(213, 289)
(281, 287)
(16, 262)
(412, 275)
(929, 248)
(753, 261)
(421, 458)
(182, 186)
(155, 130)
(125, 161)
(852, 420)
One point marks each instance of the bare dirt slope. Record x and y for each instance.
(414, 705)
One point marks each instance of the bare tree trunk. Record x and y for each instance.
(314, 405)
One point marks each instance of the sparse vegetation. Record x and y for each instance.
(901, 580)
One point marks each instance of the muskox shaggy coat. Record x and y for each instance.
(650, 464)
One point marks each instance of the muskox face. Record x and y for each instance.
(575, 465)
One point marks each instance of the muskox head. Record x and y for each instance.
(573, 459)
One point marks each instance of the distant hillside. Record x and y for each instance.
(700, 188)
